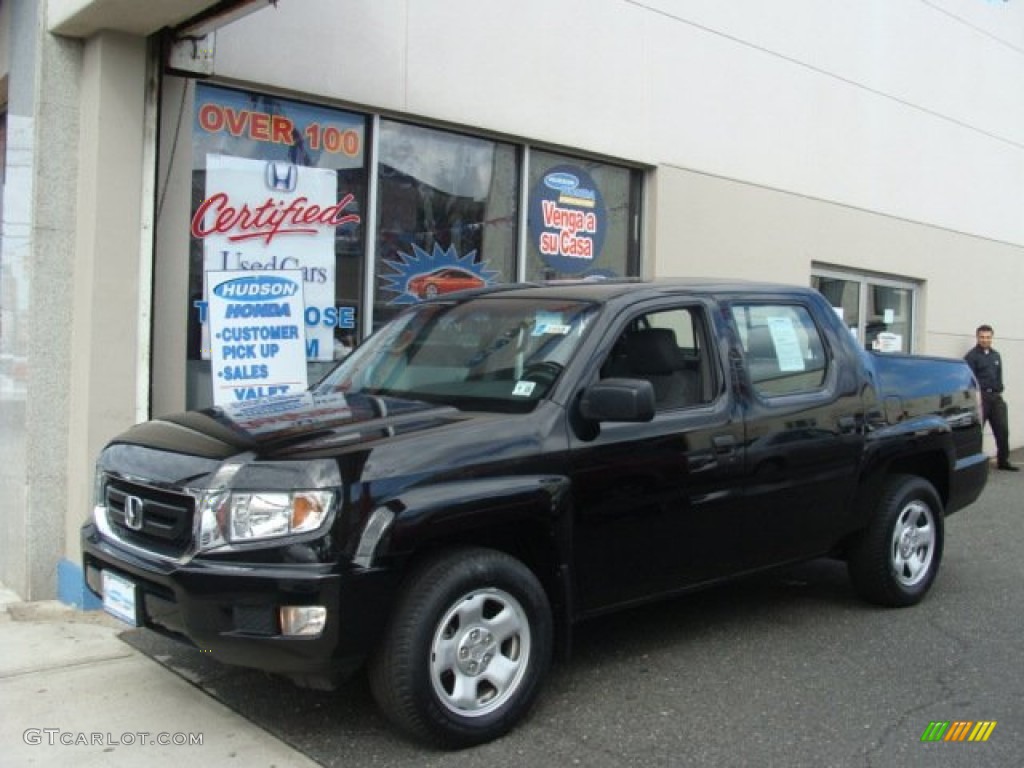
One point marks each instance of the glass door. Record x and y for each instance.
(879, 311)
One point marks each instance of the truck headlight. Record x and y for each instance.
(265, 515)
(236, 511)
(236, 517)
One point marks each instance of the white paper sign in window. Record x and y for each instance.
(787, 344)
(268, 216)
(258, 341)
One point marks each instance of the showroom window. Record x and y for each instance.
(447, 215)
(583, 219)
(277, 185)
(369, 215)
(879, 311)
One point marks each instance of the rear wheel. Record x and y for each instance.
(896, 559)
(467, 650)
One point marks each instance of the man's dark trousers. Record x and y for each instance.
(994, 412)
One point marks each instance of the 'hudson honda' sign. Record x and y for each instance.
(258, 344)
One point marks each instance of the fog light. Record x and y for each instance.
(303, 620)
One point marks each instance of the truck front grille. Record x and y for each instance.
(150, 518)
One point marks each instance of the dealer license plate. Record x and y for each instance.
(119, 598)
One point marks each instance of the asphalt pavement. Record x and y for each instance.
(787, 670)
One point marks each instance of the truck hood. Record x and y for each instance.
(299, 426)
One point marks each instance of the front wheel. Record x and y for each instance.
(895, 561)
(467, 650)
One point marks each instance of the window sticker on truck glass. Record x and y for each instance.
(787, 345)
(524, 388)
(550, 323)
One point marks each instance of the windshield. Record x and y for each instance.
(489, 353)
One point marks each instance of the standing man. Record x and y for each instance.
(988, 369)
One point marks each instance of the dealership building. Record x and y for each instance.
(380, 153)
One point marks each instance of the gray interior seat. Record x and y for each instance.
(653, 354)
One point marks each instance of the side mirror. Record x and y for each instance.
(618, 400)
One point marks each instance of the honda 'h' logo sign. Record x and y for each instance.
(133, 507)
(281, 177)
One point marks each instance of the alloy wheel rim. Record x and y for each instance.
(913, 543)
(480, 652)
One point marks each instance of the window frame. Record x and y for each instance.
(868, 280)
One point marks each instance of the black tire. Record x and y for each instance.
(467, 649)
(895, 561)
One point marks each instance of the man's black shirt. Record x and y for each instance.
(987, 367)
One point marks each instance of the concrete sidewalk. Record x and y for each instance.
(72, 693)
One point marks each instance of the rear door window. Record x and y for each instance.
(783, 348)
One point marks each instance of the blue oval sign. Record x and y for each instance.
(568, 221)
(257, 288)
(563, 182)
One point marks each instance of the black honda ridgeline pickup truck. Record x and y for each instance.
(491, 468)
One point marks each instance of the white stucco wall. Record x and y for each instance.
(905, 107)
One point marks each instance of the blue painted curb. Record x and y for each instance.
(71, 587)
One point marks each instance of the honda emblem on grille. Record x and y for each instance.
(133, 507)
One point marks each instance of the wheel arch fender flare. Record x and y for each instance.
(485, 511)
(526, 516)
(922, 447)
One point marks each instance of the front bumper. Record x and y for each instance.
(231, 609)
